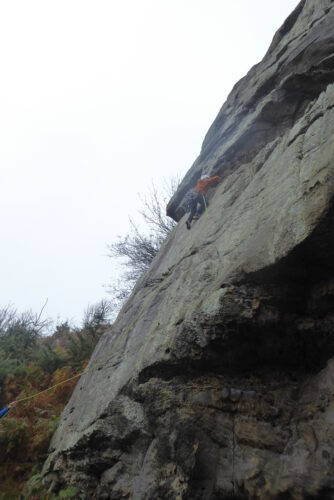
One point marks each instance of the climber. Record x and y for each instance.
(198, 196)
(6, 408)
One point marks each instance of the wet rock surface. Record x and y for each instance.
(217, 381)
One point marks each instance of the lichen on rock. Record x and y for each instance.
(217, 381)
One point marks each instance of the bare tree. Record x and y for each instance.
(28, 320)
(137, 248)
(20, 333)
(154, 208)
(7, 317)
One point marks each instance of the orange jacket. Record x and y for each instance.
(203, 184)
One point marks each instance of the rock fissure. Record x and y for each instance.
(303, 131)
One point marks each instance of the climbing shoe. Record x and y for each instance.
(188, 224)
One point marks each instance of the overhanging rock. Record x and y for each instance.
(217, 380)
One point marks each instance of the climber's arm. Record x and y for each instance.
(214, 180)
(7, 408)
(3, 411)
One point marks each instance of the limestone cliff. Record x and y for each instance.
(218, 379)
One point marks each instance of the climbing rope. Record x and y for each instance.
(84, 372)
(92, 369)
(49, 388)
(205, 204)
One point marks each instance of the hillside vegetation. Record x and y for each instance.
(31, 362)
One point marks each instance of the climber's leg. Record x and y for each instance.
(193, 209)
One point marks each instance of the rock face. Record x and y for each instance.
(217, 381)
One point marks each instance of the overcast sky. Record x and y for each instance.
(97, 99)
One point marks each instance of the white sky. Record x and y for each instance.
(97, 99)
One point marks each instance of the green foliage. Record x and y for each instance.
(63, 328)
(81, 343)
(50, 359)
(18, 342)
(79, 347)
(35, 489)
(14, 437)
(70, 492)
(44, 429)
(7, 365)
(8, 496)
(30, 363)
(19, 336)
(96, 316)
(33, 486)
(19, 333)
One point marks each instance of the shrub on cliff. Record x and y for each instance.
(138, 248)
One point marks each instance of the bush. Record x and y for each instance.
(50, 359)
(43, 431)
(69, 492)
(14, 438)
(33, 486)
(30, 365)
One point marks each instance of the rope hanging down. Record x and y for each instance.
(205, 205)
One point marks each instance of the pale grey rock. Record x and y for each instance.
(217, 381)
